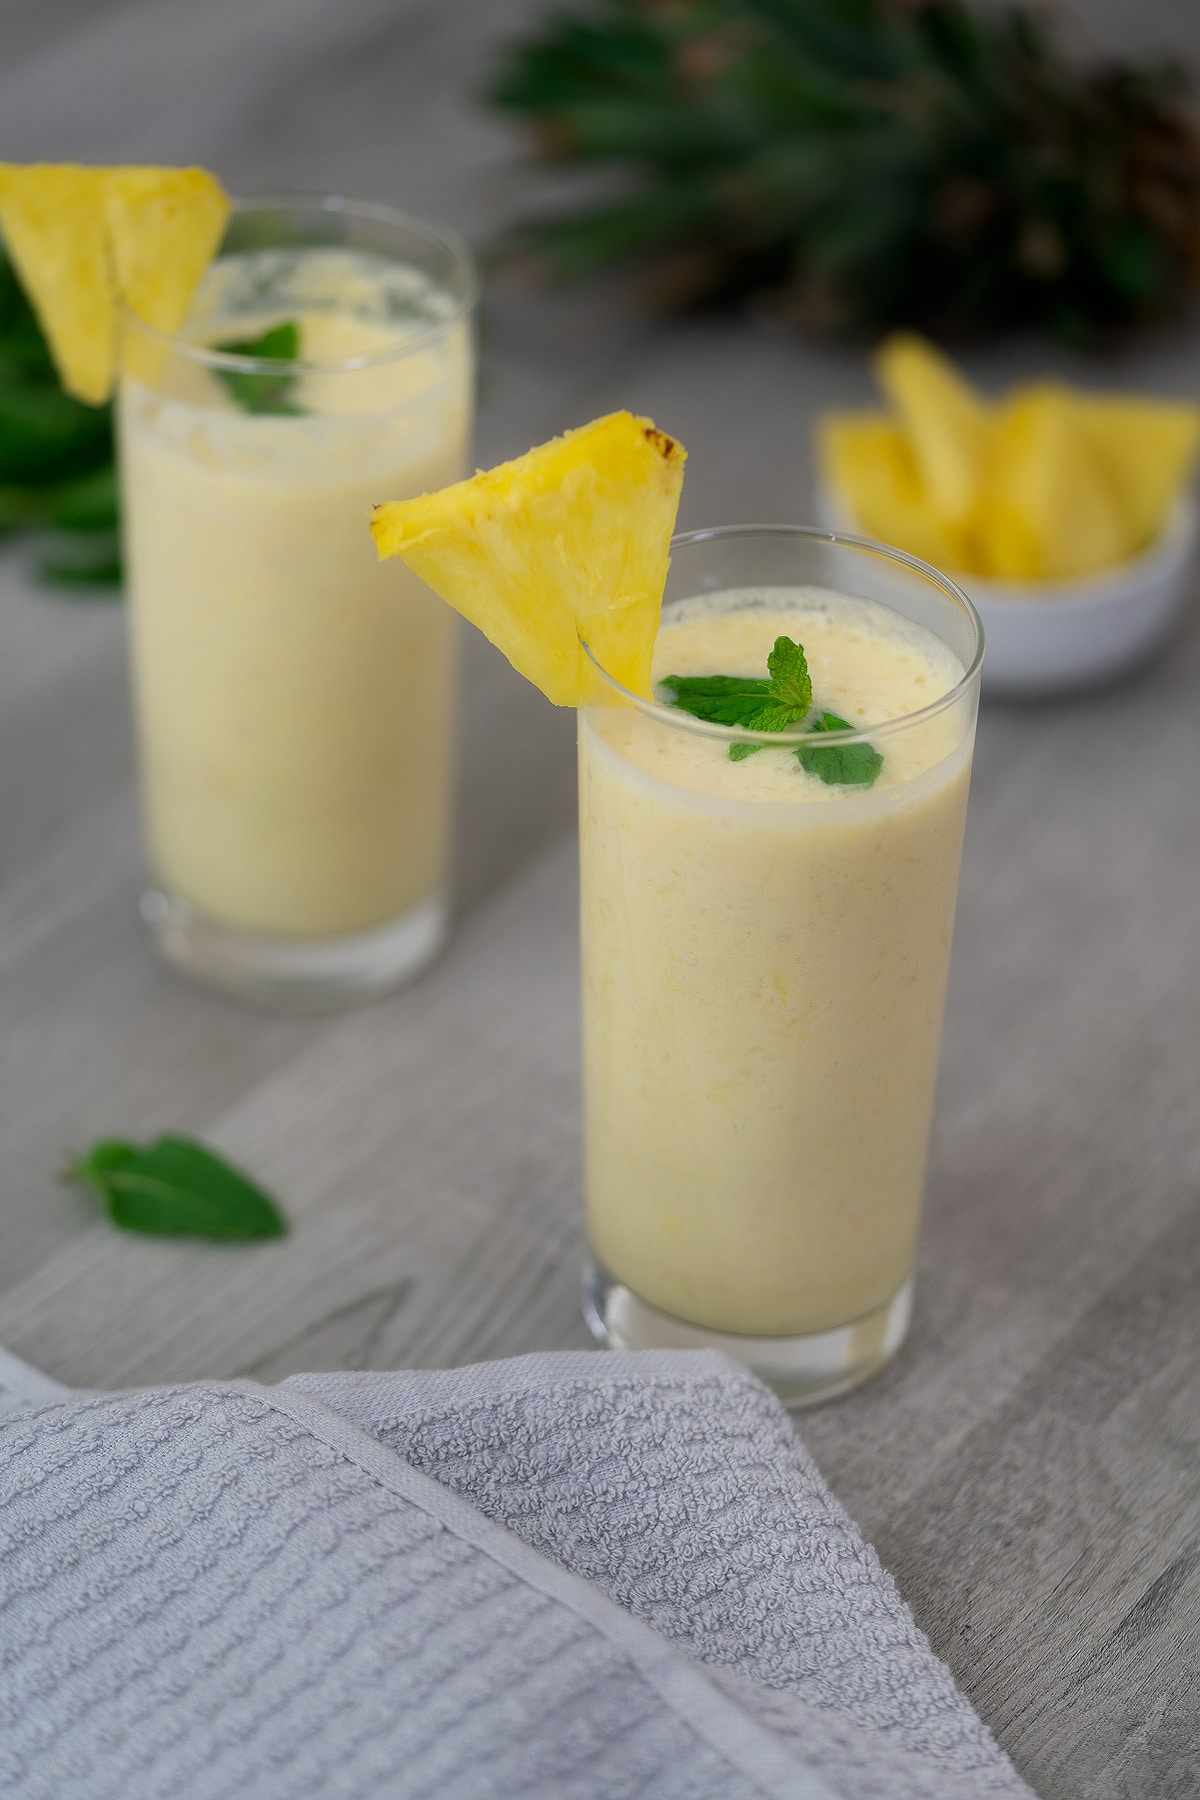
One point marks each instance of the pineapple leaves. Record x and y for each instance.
(873, 163)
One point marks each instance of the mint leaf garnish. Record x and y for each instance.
(755, 705)
(264, 392)
(176, 1187)
(720, 699)
(747, 701)
(839, 765)
(790, 679)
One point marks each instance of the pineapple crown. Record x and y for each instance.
(869, 162)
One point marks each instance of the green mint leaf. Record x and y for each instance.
(719, 699)
(746, 701)
(94, 1168)
(281, 343)
(264, 392)
(839, 765)
(754, 705)
(791, 682)
(176, 1187)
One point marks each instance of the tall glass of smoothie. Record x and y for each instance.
(766, 938)
(294, 698)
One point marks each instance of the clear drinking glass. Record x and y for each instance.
(764, 971)
(294, 697)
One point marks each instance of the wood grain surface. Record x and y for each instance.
(1028, 1467)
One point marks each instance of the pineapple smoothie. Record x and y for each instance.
(775, 734)
(294, 698)
(764, 967)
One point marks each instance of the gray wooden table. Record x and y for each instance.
(1028, 1468)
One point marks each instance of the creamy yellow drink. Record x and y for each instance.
(294, 697)
(765, 961)
(775, 731)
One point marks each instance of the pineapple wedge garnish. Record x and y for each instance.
(53, 222)
(85, 240)
(164, 226)
(567, 545)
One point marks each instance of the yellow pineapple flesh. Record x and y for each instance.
(1046, 484)
(867, 460)
(947, 423)
(1052, 510)
(85, 240)
(565, 546)
(1148, 449)
(52, 217)
(164, 226)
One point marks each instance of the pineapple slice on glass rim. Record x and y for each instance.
(84, 241)
(566, 545)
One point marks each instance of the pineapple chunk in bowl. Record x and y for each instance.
(1062, 637)
(1066, 515)
(1046, 638)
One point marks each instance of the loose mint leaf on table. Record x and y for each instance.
(176, 1187)
(752, 704)
(264, 391)
(839, 765)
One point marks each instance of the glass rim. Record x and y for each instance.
(444, 236)
(679, 720)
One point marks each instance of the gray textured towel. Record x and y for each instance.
(569, 1577)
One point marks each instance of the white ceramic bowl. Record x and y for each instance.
(1060, 637)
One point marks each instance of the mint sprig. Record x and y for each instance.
(263, 391)
(176, 1187)
(749, 703)
(839, 765)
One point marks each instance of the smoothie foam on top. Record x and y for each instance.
(868, 664)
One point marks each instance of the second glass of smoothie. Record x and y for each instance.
(295, 699)
(765, 957)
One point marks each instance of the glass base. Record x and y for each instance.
(295, 974)
(802, 1370)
